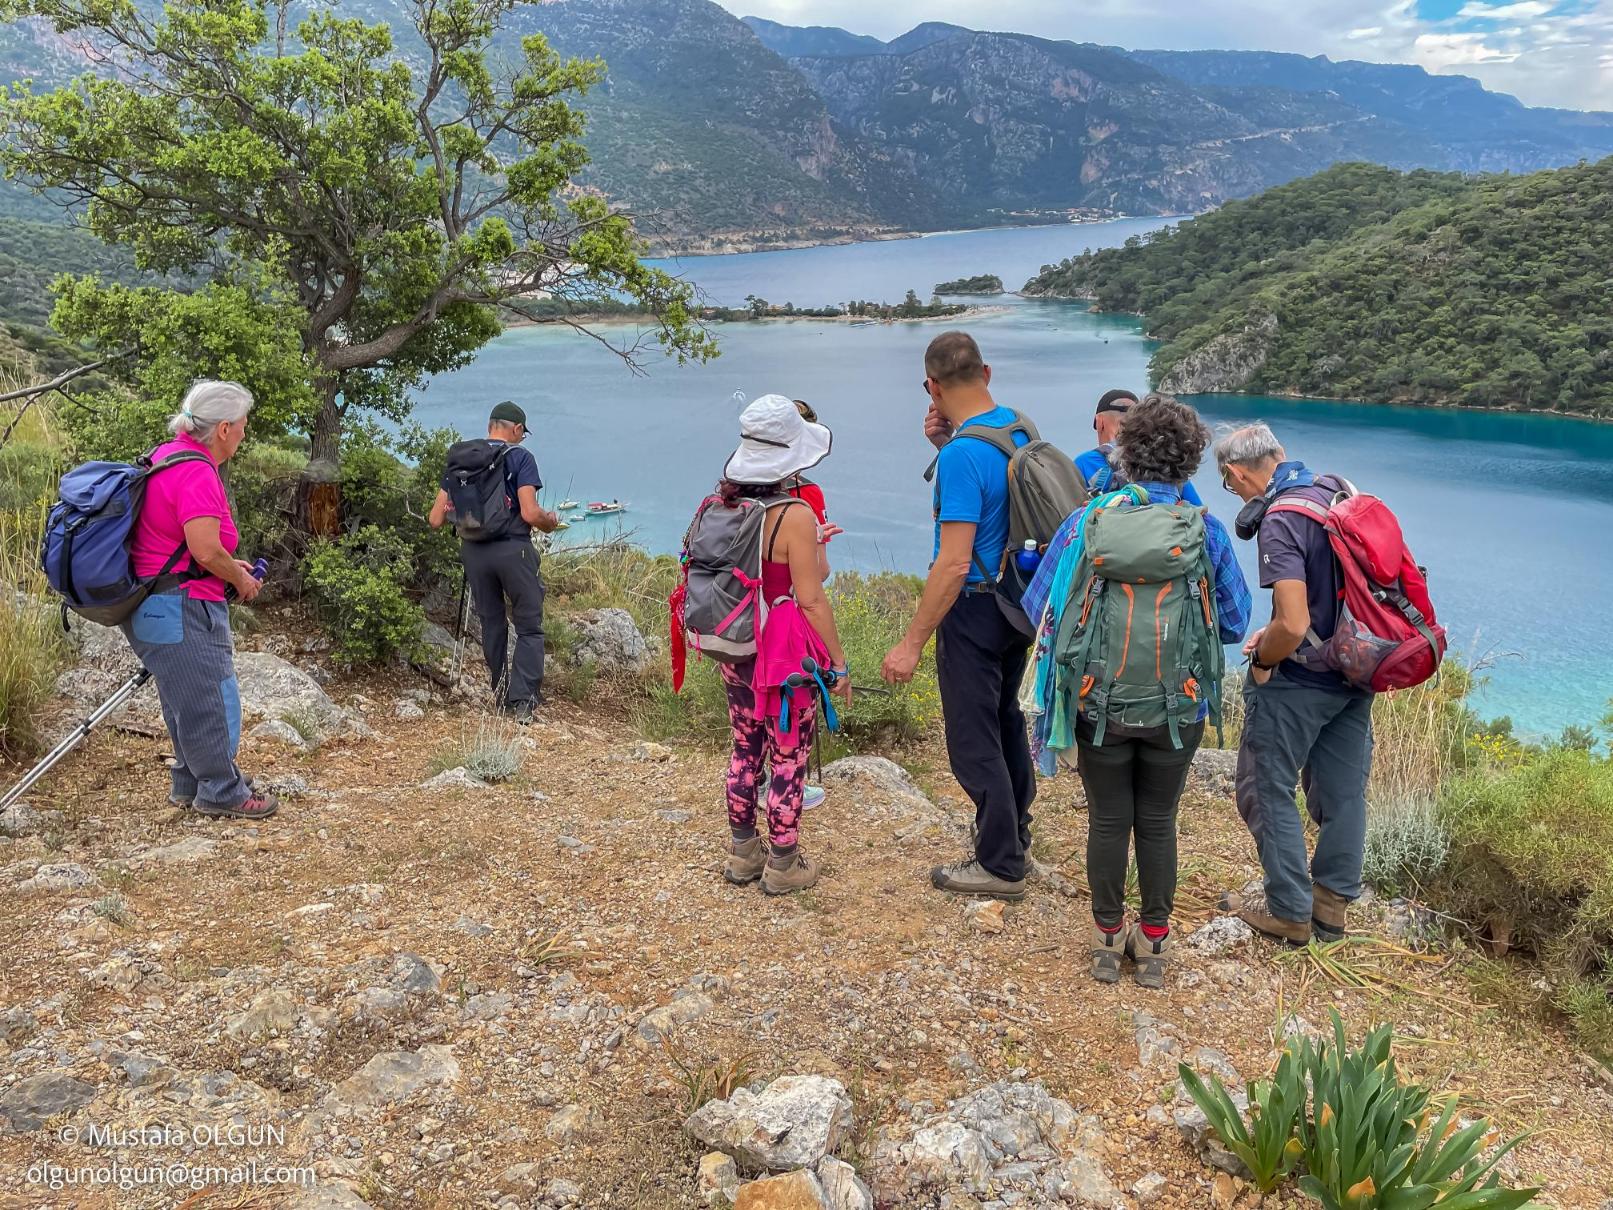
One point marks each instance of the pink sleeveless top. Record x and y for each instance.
(776, 581)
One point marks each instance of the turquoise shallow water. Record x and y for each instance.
(1512, 514)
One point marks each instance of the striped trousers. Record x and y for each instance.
(187, 646)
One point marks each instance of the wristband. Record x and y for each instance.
(1254, 660)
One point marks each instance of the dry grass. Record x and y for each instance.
(31, 642)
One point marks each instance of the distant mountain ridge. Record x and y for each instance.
(720, 133)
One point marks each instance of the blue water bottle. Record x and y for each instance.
(1029, 557)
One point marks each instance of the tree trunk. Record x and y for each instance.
(319, 491)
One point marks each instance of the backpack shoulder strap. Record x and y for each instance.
(1001, 437)
(1303, 505)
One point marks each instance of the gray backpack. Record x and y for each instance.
(1044, 488)
(723, 606)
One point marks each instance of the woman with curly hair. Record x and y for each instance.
(1134, 775)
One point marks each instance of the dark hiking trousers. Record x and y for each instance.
(1321, 736)
(507, 569)
(979, 661)
(1133, 785)
(187, 647)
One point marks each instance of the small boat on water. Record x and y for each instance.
(566, 505)
(602, 508)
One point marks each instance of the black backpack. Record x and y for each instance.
(478, 492)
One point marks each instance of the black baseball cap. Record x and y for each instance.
(509, 412)
(1117, 400)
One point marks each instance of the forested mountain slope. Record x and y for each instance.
(1363, 284)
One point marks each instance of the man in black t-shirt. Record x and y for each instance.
(506, 569)
(1302, 721)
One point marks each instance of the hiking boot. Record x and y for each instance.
(784, 875)
(812, 796)
(972, 878)
(183, 801)
(520, 713)
(1150, 956)
(1107, 950)
(260, 805)
(1329, 910)
(1250, 907)
(745, 861)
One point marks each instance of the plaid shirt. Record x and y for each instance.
(1233, 604)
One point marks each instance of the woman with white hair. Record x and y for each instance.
(181, 632)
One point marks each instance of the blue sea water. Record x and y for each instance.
(1511, 514)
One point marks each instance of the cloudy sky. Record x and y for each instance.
(1545, 52)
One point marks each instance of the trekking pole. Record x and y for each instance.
(459, 630)
(100, 714)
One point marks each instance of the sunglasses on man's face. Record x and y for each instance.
(925, 386)
(1226, 483)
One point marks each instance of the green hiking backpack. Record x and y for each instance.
(1137, 642)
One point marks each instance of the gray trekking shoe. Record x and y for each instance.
(260, 805)
(785, 875)
(1107, 950)
(1150, 956)
(972, 878)
(745, 861)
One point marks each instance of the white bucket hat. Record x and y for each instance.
(775, 443)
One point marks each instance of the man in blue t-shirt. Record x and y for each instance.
(979, 654)
(1096, 466)
(506, 568)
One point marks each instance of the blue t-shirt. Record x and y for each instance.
(1092, 463)
(971, 484)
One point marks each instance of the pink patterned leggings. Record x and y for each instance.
(760, 750)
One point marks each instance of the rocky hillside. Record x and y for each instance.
(416, 988)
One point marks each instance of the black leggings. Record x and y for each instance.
(1133, 785)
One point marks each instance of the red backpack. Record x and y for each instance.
(1387, 636)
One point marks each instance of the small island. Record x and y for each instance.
(984, 283)
(604, 310)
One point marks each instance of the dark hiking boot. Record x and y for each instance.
(520, 713)
(1107, 950)
(972, 878)
(788, 874)
(1329, 914)
(1150, 956)
(745, 861)
(1251, 908)
(260, 805)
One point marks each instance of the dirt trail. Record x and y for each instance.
(551, 914)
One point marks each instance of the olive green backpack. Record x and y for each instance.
(1137, 643)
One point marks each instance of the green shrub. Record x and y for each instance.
(1406, 846)
(493, 753)
(1530, 856)
(1266, 1145)
(357, 583)
(389, 482)
(262, 480)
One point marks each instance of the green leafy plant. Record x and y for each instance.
(357, 583)
(1266, 1143)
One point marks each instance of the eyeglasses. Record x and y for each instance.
(925, 387)
(1226, 484)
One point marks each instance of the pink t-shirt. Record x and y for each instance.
(177, 495)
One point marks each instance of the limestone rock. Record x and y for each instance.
(797, 1190)
(663, 1022)
(1158, 1044)
(20, 819)
(31, 1103)
(413, 975)
(121, 973)
(843, 1189)
(1150, 1188)
(656, 753)
(1194, 1128)
(395, 1076)
(609, 640)
(272, 688)
(271, 1012)
(792, 1123)
(885, 777)
(569, 1124)
(1220, 936)
(408, 712)
(986, 915)
(282, 733)
(185, 851)
(718, 1178)
(1004, 1139)
(458, 778)
(1215, 771)
(520, 1179)
(337, 1196)
(64, 876)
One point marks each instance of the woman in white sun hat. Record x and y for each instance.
(777, 445)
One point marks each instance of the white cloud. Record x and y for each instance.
(1371, 31)
(1505, 12)
(1437, 51)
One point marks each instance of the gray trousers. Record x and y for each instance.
(1292, 734)
(187, 647)
(502, 570)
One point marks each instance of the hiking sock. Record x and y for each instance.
(741, 835)
(782, 855)
(1155, 932)
(1109, 930)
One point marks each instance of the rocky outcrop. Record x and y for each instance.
(273, 689)
(1224, 363)
(609, 642)
(792, 1123)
